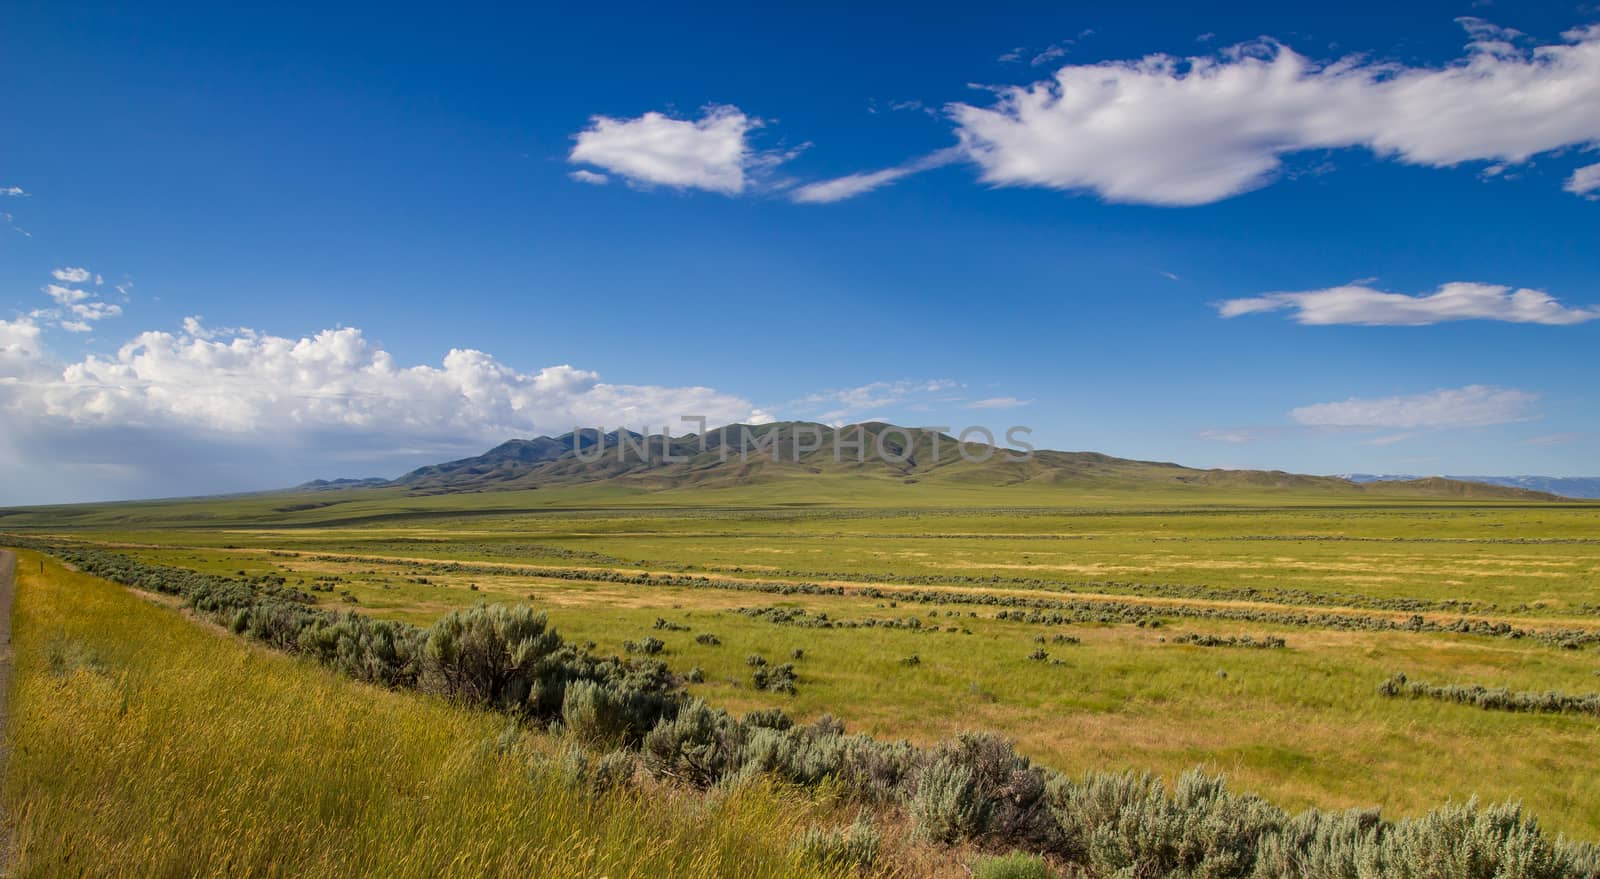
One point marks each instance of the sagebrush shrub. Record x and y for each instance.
(945, 806)
(648, 646)
(853, 847)
(777, 678)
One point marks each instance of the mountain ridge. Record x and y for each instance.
(1577, 487)
(744, 454)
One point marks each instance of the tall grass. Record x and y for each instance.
(142, 744)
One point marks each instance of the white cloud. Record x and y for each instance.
(852, 185)
(712, 153)
(72, 275)
(998, 403)
(1359, 304)
(847, 403)
(66, 295)
(13, 191)
(20, 350)
(9, 220)
(93, 311)
(589, 177)
(1160, 130)
(1585, 182)
(77, 309)
(1471, 406)
(336, 379)
(213, 402)
(1050, 54)
(1552, 439)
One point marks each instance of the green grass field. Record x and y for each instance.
(1303, 725)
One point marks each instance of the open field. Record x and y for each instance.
(1344, 586)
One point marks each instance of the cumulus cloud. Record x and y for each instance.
(77, 309)
(337, 379)
(852, 185)
(20, 350)
(1585, 182)
(1471, 406)
(1187, 131)
(228, 395)
(712, 153)
(72, 275)
(1359, 304)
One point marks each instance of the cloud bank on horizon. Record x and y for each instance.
(221, 392)
(1162, 130)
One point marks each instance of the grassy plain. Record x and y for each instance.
(1303, 725)
(144, 744)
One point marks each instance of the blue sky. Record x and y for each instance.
(1198, 259)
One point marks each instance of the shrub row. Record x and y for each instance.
(794, 616)
(976, 789)
(1066, 610)
(1062, 612)
(498, 656)
(1265, 642)
(1296, 597)
(486, 550)
(1497, 699)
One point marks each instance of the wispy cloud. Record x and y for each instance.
(585, 176)
(852, 185)
(1390, 439)
(1471, 406)
(879, 396)
(1050, 53)
(13, 192)
(1552, 439)
(1363, 305)
(998, 403)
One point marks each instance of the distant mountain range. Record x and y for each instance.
(1565, 486)
(330, 484)
(753, 454)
